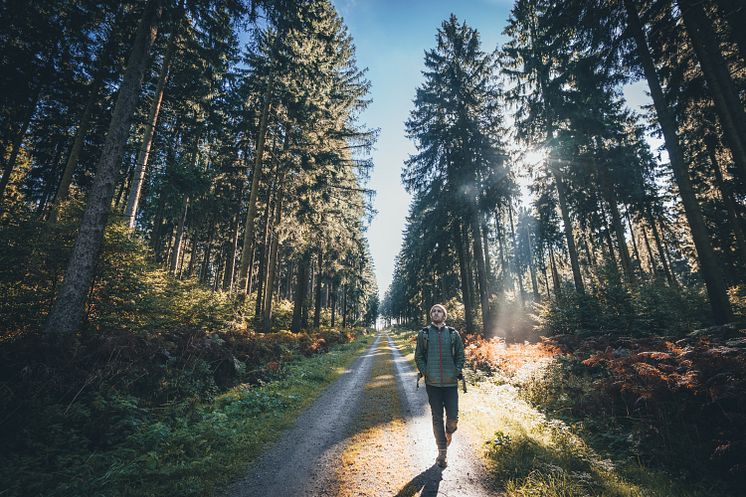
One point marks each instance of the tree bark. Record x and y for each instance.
(717, 74)
(273, 263)
(344, 306)
(130, 212)
(616, 220)
(555, 274)
(516, 269)
(661, 250)
(709, 268)
(730, 205)
(334, 303)
(264, 259)
(300, 292)
(205, 267)
(105, 57)
(317, 298)
(67, 313)
(567, 224)
(504, 267)
(464, 269)
(734, 12)
(176, 252)
(635, 249)
(248, 240)
(531, 269)
(231, 261)
(481, 272)
(10, 164)
(72, 159)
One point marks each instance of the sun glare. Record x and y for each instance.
(534, 157)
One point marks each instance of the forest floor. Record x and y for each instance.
(369, 434)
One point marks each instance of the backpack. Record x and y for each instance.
(425, 337)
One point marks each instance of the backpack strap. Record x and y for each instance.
(451, 332)
(425, 336)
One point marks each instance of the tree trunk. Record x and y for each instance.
(248, 240)
(130, 212)
(501, 246)
(531, 269)
(616, 221)
(264, 259)
(334, 303)
(546, 277)
(735, 14)
(72, 159)
(300, 292)
(487, 259)
(104, 58)
(176, 252)
(464, 269)
(555, 274)
(709, 268)
(68, 309)
(516, 269)
(569, 238)
(635, 249)
(730, 205)
(661, 251)
(606, 235)
(10, 164)
(231, 261)
(484, 297)
(273, 263)
(344, 306)
(317, 298)
(651, 258)
(717, 74)
(204, 272)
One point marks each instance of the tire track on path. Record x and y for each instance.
(299, 463)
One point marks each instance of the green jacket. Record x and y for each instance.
(439, 355)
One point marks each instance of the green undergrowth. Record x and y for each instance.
(181, 448)
(165, 389)
(532, 450)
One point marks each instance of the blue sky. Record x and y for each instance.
(391, 38)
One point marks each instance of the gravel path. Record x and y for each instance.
(298, 464)
(305, 460)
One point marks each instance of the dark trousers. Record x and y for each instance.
(443, 398)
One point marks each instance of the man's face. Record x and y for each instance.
(437, 315)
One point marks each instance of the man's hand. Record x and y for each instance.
(463, 381)
(419, 375)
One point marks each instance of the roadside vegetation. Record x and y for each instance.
(167, 389)
(557, 421)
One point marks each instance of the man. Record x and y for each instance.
(439, 355)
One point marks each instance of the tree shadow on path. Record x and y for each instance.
(428, 481)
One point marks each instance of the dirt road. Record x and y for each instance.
(369, 434)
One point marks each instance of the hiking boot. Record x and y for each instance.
(449, 437)
(441, 459)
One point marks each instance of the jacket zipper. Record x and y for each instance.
(440, 351)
